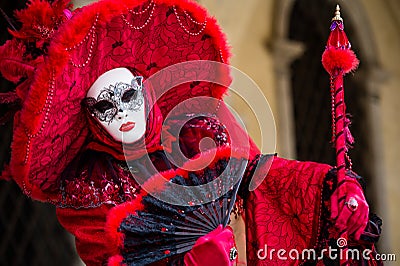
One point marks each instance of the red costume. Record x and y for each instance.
(60, 154)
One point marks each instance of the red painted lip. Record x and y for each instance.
(127, 126)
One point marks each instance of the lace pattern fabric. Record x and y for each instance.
(90, 191)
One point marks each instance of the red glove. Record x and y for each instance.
(349, 208)
(216, 248)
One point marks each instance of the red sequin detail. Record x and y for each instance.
(83, 192)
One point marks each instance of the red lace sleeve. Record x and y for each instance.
(284, 211)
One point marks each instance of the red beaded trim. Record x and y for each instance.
(142, 11)
(203, 24)
(130, 25)
(92, 33)
(47, 106)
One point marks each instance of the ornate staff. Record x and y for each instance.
(338, 59)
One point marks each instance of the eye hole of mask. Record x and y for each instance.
(103, 105)
(129, 95)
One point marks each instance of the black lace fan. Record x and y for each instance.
(164, 230)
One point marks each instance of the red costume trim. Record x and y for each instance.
(116, 261)
(114, 219)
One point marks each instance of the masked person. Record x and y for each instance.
(110, 93)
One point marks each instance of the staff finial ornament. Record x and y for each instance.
(337, 16)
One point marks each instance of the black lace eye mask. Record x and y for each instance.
(116, 98)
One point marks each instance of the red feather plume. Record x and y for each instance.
(344, 59)
(40, 19)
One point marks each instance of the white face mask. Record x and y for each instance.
(116, 100)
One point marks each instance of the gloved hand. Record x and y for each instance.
(216, 248)
(349, 208)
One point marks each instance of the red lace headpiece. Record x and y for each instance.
(57, 54)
